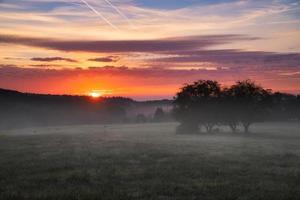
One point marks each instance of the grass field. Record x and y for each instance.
(149, 161)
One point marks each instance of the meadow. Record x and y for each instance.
(150, 161)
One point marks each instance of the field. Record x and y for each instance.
(149, 161)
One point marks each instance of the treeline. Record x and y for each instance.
(157, 117)
(207, 104)
(18, 110)
(26, 110)
(202, 104)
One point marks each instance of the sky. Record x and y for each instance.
(147, 49)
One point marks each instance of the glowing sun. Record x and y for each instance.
(95, 94)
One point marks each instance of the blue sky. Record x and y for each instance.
(175, 4)
(47, 5)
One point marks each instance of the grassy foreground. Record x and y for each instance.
(149, 161)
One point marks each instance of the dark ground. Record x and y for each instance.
(149, 161)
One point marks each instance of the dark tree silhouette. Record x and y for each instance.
(228, 112)
(204, 103)
(297, 108)
(19, 110)
(250, 101)
(283, 107)
(197, 104)
(292, 107)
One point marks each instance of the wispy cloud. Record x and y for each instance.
(105, 46)
(176, 52)
(133, 81)
(239, 39)
(105, 59)
(236, 59)
(120, 13)
(52, 59)
(99, 14)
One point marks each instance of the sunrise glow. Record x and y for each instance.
(147, 49)
(95, 94)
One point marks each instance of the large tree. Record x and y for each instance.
(197, 104)
(249, 101)
(228, 111)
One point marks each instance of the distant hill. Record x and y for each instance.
(19, 109)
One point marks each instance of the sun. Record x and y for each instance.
(95, 94)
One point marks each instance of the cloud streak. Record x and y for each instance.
(120, 13)
(236, 59)
(176, 52)
(131, 81)
(52, 59)
(99, 14)
(108, 46)
(105, 59)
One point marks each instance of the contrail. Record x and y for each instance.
(120, 12)
(99, 14)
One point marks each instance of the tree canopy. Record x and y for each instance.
(205, 103)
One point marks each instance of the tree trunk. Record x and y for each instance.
(246, 127)
(209, 127)
(233, 127)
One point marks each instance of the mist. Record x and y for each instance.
(208, 142)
